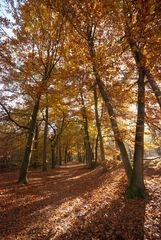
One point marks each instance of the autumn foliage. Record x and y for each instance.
(80, 83)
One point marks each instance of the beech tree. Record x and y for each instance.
(98, 124)
(142, 28)
(45, 135)
(39, 35)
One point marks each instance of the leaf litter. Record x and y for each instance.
(73, 202)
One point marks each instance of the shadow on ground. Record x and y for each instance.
(23, 204)
(87, 204)
(122, 220)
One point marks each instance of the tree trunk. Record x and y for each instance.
(60, 155)
(44, 168)
(118, 140)
(53, 150)
(57, 153)
(86, 137)
(53, 158)
(139, 59)
(35, 147)
(137, 188)
(100, 138)
(26, 159)
(96, 149)
(153, 85)
(65, 154)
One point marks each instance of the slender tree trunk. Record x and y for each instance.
(137, 188)
(35, 147)
(100, 138)
(55, 145)
(52, 145)
(88, 148)
(60, 155)
(118, 140)
(57, 153)
(26, 159)
(96, 148)
(44, 168)
(153, 85)
(53, 160)
(65, 154)
(86, 137)
(68, 157)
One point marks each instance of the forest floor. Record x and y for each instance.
(73, 202)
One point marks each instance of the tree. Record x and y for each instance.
(39, 33)
(99, 136)
(136, 187)
(45, 135)
(138, 31)
(89, 20)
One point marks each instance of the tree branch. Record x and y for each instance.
(11, 119)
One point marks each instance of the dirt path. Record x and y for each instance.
(74, 203)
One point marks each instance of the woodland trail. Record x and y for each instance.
(73, 202)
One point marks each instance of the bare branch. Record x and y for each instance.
(11, 119)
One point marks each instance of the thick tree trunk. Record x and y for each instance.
(80, 156)
(138, 54)
(140, 62)
(44, 168)
(26, 159)
(137, 188)
(100, 138)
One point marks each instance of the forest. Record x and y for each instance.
(80, 119)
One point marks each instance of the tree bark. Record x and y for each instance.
(26, 159)
(137, 53)
(104, 94)
(117, 135)
(100, 138)
(96, 148)
(88, 149)
(153, 85)
(44, 168)
(53, 158)
(35, 147)
(60, 153)
(137, 188)
(140, 62)
(54, 144)
(57, 153)
(65, 154)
